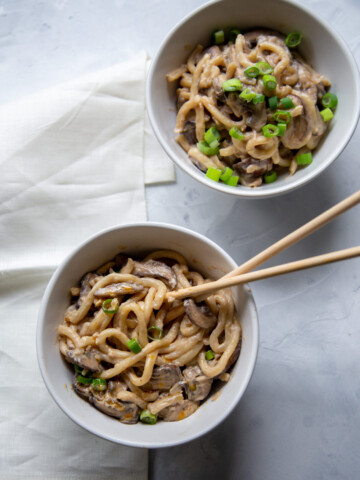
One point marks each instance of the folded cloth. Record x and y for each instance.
(72, 162)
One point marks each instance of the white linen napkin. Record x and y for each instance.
(72, 162)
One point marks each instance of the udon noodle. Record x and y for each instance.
(203, 103)
(138, 356)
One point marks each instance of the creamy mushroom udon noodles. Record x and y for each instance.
(250, 108)
(137, 355)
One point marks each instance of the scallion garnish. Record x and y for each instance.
(282, 117)
(270, 130)
(84, 380)
(293, 39)
(232, 34)
(232, 181)
(107, 303)
(209, 355)
(236, 133)
(226, 174)
(282, 129)
(155, 329)
(147, 417)
(273, 102)
(218, 37)
(134, 346)
(252, 72)
(77, 368)
(247, 95)
(259, 98)
(329, 100)
(212, 137)
(232, 85)
(270, 177)
(287, 103)
(326, 114)
(264, 68)
(205, 148)
(99, 384)
(304, 158)
(213, 173)
(270, 82)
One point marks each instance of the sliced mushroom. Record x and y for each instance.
(178, 411)
(238, 107)
(163, 378)
(154, 268)
(199, 315)
(256, 115)
(190, 132)
(87, 282)
(86, 360)
(298, 131)
(197, 385)
(126, 412)
(116, 289)
(253, 167)
(83, 390)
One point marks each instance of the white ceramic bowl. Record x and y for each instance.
(203, 255)
(321, 47)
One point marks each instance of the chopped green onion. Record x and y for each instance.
(218, 37)
(157, 329)
(282, 129)
(304, 159)
(282, 117)
(107, 303)
(264, 68)
(213, 173)
(329, 100)
(252, 72)
(247, 95)
(134, 346)
(209, 355)
(236, 133)
(99, 384)
(326, 114)
(77, 368)
(259, 98)
(84, 380)
(287, 103)
(147, 417)
(232, 85)
(293, 39)
(270, 82)
(270, 177)
(226, 174)
(232, 181)
(273, 102)
(270, 130)
(232, 34)
(212, 137)
(206, 149)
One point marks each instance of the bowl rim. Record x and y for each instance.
(271, 190)
(41, 321)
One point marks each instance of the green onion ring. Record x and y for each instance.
(106, 303)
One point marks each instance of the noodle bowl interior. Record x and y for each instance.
(138, 356)
(251, 107)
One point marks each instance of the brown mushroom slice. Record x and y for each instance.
(86, 360)
(178, 411)
(256, 116)
(298, 131)
(116, 289)
(156, 269)
(252, 167)
(86, 284)
(163, 378)
(197, 385)
(199, 315)
(126, 412)
(83, 390)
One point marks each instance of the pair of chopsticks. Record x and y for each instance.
(243, 273)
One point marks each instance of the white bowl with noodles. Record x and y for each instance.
(202, 255)
(321, 47)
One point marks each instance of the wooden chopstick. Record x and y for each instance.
(227, 281)
(297, 235)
